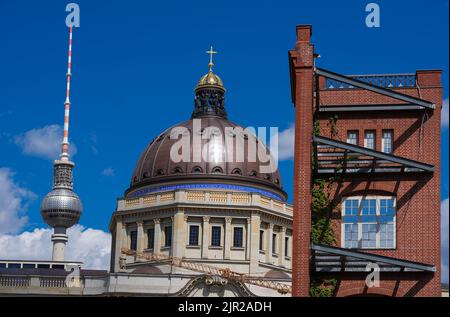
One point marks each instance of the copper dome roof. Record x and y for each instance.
(155, 166)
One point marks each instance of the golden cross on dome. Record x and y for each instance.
(211, 52)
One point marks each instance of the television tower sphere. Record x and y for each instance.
(61, 208)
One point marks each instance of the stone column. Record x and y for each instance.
(281, 246)
(119, 243)
(179, 234)
(125, 237)
(269, 243)
(248, 239)
(228, 233)
(255, 223)
(157, 237)
(205, 239)
(140, 236)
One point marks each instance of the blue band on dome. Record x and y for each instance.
(145, 191)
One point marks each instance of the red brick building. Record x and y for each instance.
(376, 140)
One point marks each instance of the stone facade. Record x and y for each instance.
(182, 224)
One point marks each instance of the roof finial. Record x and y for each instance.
(211, 52)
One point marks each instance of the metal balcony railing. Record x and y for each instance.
(381, 80)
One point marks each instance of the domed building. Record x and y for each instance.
(207, 192)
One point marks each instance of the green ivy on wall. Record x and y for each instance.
(321, 211)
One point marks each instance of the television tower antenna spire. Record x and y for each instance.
(61, 208)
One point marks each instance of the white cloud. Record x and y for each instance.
(444, 240)
(285, 143)
(87, 245)
(43, 142)
(90, 246)
(14, 201)
(109, 171)
(444, 114)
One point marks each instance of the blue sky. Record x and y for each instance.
(136, 63)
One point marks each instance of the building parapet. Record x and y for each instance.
(209, 198)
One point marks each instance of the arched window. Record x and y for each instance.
(217, 170)
(159, 172)
(236, 171)
(177, 170)
(197, 169)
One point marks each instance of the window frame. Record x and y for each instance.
(262, 235)
(274, 243)
(356, 132)
(378, 221)
(286, 246)
(374, 139)
(217, 227)
(237, 228)
(166, 244)
(150, 237)
(133, 242)
(191, 226)
(391, 132)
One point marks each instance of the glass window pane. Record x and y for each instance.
(168, 236)
(238, 237)
(274, 243)
(387, 141)
(261, 240)
(150, 238)
(193, 235)
(351, 207)
(369, 238)
(369, 207)
(351, 235)
(352, 137)
(133, 240)
(286, 246)
(369, 139)
(216, 236)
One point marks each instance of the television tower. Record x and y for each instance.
(61, 208)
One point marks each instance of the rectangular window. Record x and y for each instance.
(286, 246)
(351, 235)
(386, 235)
(369, 139)
(261, 240)
(369, 235)
(274, 243)
(386, 141)
(133, 240)
(238, 234)
(168, 236)
(150, 238)
(193, 235)
(387, 207)
(368, 207)
(351, 207)
(352, 137)
(216, 236)
(374, 227)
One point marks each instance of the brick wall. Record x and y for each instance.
(416, 136)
